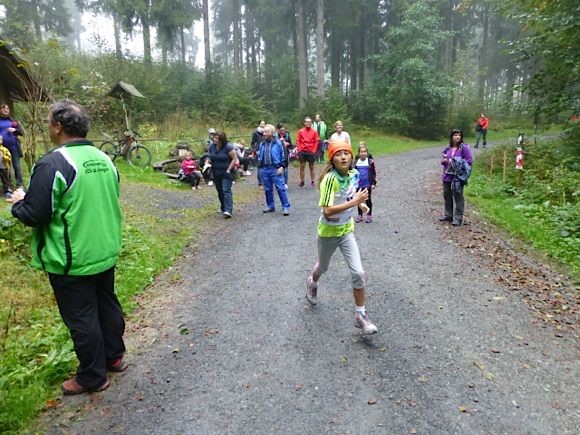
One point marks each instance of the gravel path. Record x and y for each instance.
(232, 346)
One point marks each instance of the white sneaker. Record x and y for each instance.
(246, 173)
(365, 324)
(210, 183)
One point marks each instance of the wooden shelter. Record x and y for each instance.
(16, 83)
(125, 92)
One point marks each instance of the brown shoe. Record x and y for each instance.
(118, 365)
(71, 387)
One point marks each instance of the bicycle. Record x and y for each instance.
(128, 147)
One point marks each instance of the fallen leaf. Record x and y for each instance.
(463, 409)
(494, 350)
(372, 401)
(211, 331)
(487, 375)
(412, 403)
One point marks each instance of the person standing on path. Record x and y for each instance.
(365, 165)
(10, 129)
(284, 137)
(257, 137)
(338, 195)
(321, 129)
(271, 157)
(339, 133)
(73, 202)
(453, 192)
(307, 143)
(481, 126)
(223, 162)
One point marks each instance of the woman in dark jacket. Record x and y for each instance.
(223, 162)
(453, 192)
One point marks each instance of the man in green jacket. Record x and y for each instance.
(73, 203)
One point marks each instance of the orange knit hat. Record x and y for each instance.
(336, 146)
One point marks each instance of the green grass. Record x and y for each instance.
(37, 351)
(538, 205)
(545, 238)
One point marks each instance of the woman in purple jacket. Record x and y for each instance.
(453, 192)
(10, 129)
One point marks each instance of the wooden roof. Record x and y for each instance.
(124, 89)
(15, 79)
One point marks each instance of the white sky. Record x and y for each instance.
(99, 28)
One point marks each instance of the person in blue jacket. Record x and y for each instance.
(271, 160)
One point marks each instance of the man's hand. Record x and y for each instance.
(17, 195)
(280, 171)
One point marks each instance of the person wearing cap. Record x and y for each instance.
(10, 129)
(271, 158)
(339, 194)
(211, 134)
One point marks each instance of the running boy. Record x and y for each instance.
(365, 165)
(338, 185)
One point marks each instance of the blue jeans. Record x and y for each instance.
(223, 185)
(271, 179)
(478, 136)
(16, 165)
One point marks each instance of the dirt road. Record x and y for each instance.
(232, 346)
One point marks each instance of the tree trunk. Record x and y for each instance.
(117, 33)
(320, 43)
(146, 39)
(336, 52)
(361, 55)
(36, 20)
(482, 73)
(237, 36)
(301, 46)
(353, 44)
(183, 49)
(206, 36)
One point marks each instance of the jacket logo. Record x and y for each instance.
(94, 166)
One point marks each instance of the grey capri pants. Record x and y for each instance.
(349, 249)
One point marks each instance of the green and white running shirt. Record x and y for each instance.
(336, 189)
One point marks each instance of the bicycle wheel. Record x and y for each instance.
(110, 149)
(139, 156)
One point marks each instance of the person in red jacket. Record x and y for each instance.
(481, 130)
(307, 144)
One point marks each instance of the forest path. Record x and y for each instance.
(225, 341)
